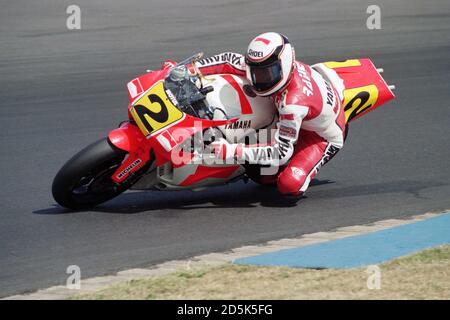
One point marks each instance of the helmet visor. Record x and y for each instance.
(265, 77)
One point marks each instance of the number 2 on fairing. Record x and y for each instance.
(154, 110)
(358, 100)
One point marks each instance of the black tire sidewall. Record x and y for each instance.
(84, 161)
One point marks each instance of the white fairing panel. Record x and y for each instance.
(172, 178)
(226, 103)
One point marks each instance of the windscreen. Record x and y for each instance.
(183, 87)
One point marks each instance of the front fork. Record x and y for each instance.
(128, 137)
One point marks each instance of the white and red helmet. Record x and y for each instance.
(270, 61)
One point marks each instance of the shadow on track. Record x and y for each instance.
(238, 195)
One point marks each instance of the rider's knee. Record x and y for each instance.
(291, 181)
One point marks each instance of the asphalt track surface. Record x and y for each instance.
(61, 90)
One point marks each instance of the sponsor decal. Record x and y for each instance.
(128, 168)
(307, 89)
(329, 153)
(255, 54)
(227, 57)
(283, 146)
(263, 154)
(288, 132)
(171, 97)
(239, 125)
(330, 95)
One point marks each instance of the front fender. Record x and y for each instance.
(129, 138)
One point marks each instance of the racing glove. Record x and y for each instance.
(225, 151)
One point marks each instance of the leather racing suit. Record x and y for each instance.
(311, 126)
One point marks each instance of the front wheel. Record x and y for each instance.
(85, 180)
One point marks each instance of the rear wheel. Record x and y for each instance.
(85, 180)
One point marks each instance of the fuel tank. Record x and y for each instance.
(233, 98)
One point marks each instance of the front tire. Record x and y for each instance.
(85, 180)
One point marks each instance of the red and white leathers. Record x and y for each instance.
(310, 130)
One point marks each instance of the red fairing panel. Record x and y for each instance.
(363, 74)
(227, 62)
(142, 83)
(129, 138)
(165, 141)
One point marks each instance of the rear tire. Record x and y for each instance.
(85, 180)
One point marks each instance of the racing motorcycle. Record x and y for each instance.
(169, 109)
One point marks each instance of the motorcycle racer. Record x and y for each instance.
(311, 126)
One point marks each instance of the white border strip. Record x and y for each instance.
(98, 283)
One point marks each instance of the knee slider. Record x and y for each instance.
(290, 181)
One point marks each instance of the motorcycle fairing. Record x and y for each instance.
(154, 111)
(129, 138)
(160, 127)
(365, 89)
